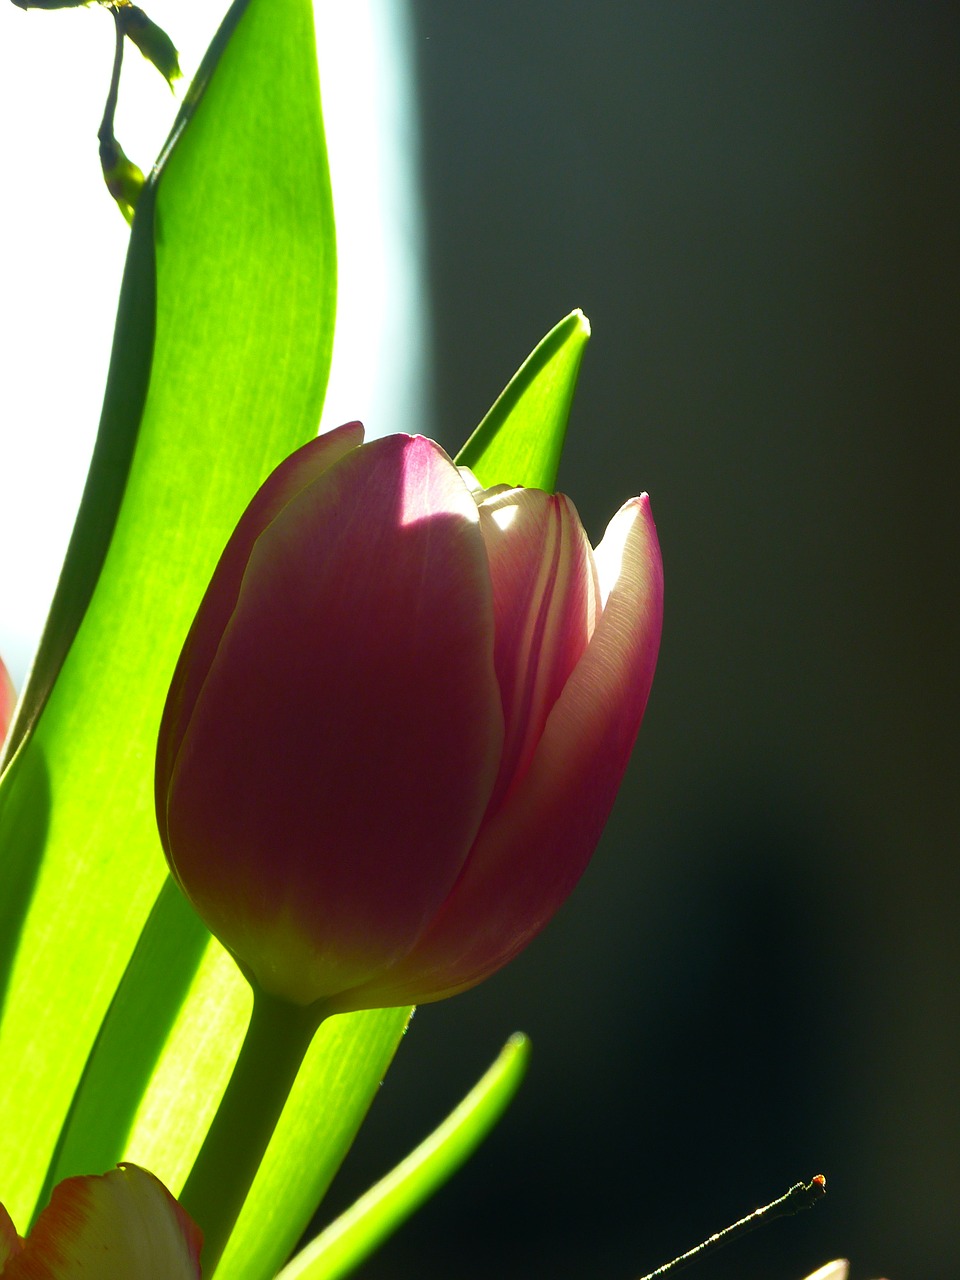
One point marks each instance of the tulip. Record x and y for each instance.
(400, 720)
(122, 1224)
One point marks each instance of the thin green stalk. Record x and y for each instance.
(277, 1038)
(105, 132)
(800, 1196)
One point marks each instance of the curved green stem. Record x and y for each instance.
(105, 132)
(277, 1038)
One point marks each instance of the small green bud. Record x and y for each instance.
(153, 42)
(124, 179)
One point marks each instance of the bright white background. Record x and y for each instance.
(62, 246)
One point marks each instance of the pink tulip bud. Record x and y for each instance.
(122, 1224)
(400, 720)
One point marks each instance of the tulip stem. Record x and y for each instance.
(277, 1038)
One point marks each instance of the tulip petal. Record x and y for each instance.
(10, 1242)
(343, 747)
(122, 1224)
(838, 1270)
(545, 601)
(530, 854)
(293, 475)
(8, 700)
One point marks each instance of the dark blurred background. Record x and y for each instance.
(757, 206)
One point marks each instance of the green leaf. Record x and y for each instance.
(137, 1031)
(239, 218)
(520, 440)
(327, 1104)
(376, 1215)
(163, 1059)
(123, 403)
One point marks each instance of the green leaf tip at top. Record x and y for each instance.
(520, 440)
(201, 405)
(142, 31)
(152, 41)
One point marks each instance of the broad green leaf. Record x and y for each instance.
(376, 1215)
(520, 440)
(117, 435)
(123, 401)
(240, 218)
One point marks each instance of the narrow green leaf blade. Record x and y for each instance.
(244, 242)
(145, 1016)
(520, 440)
(163, 1059)
(332, 1094)
(378, 1213)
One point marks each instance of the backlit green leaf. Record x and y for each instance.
(520, 440)
(240, 220)
(331, 1096)
(365, 1225)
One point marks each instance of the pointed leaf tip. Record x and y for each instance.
(345, 1243)
(520, 440)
